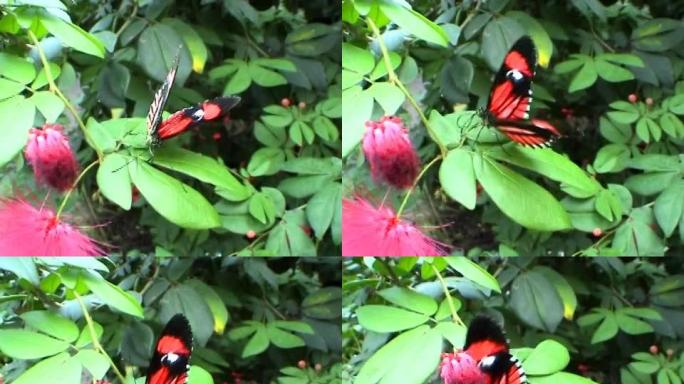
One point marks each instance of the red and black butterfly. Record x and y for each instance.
(186, 118)
(170, 361)
(485, 358)
(511, 95)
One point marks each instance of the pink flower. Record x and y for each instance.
(27, 231)
(370, 231)
(51, 157)
(460, 368)
(390, 153)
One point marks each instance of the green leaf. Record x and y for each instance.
(536, 31)
(409, 299)
(24, 268)
(194, 42)
(564, 289)
(73, 36)
(614, 132)
(522, 200)
(548, 357)
(325, 129)
(457, 177)
(49, 105)
(277, 116)
(176, 201)
(389, 96)
(17, 68)
(626, 113)
(322, 304)
(282, 339)
(204, 169)
(473, 272)
(415, 23)
(261, 207)
(265, 77)
(9, 88)
(16, 118)
(69, 369)
(113, 83)
(607, 330)
(396, 361)
(622, 58)
(383, 318)
(612, 158)
(584, 78)
(357, 107)
(631, 325)
(312, 40)
(114, 180)
(265, 161)
(535, 300)
(51, 324)
(112, 295)
(672, 125)
(611, 72)
(184, 298)
(257, 343)
(322, 206)
(669, 207)
(96, 363)
(357, 59)
(215, 303)
(197, 375)
(288, 238)
(157, 47)
(574, 180)
(27, 345)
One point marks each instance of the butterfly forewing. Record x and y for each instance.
(154, 115)
(511, 96)
(171, 357)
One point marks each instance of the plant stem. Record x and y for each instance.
(394, 79)
(68, 194)
(93, 337)
(450, 301)
(55, 89)
(410, 191)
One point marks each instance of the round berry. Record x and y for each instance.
(301, 364)
(318, 367)
(653, 349)
(285, 102)
(216, 136)
(649, 101)
(632, 98)
(301, 105)
(250, 234)
(597, 232)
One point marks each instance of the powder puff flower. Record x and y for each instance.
(460, 368)
(390, 153)
(28, 231)
(371, 231)
(51, 157)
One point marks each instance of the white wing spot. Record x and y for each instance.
(514, 74)
(487, 361)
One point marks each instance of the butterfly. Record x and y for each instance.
(485, 358)
(169, 363)
(186, 118)
(511, 95)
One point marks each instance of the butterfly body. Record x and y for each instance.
(171, 357)
(511, 96)
(485, 358)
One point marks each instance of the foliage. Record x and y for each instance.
(599, 320)
(611, 80)
(252, 319)
(252, 184)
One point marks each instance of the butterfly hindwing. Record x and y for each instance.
(171, 357)
(189, 117)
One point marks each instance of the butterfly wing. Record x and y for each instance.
(154, 115)
(511, 96)
(186, 118)
(487, 344)
(169, 363)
